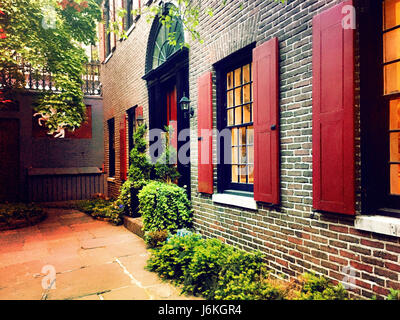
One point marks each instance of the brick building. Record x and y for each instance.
(297, 105)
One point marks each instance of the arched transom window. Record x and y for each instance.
(163, 48)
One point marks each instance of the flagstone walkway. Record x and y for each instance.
(91, 260)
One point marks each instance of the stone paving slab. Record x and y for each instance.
(92, 260)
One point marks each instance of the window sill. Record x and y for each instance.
(131, 28)
(379, 224)
(111, 179)
(234, 200)
(108, 58)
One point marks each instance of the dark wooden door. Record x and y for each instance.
(9, 159)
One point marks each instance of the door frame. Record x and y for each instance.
(174, 72)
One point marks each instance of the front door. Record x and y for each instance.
(9, 159)
(172, 117)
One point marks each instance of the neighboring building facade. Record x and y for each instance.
(297, 105)
(37, 167)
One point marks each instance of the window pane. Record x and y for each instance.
(395, 147)
(243, 155)
(391, 45)
(235, 174)
(235, 151)
(391, 13)
(395, 179)
(246, 73)
(238, 77)
(392, 78)
(246, 114)
(242, 136)
(246, 94)
(238, 115)
(230, 99)
(234, 137)
(230, 117)
(243, 174)
(250, 154)
(251, 174)
(395, 114)
(250, 135)
(238, 96)
(229, 80)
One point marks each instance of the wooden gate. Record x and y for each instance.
(9, 159)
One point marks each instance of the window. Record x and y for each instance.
(380, 114)
(111, 147)
(391, 86)
(240, 120)
(235, 90)
(130, 6)
(107, 35)
(162, 49)
(135, 119)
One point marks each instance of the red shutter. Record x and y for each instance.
(266, 122)
(205, 127)
(333, 113)
(122, 149)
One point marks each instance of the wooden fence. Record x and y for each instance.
(63, 185)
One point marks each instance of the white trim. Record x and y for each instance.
(133, 26)
(379, 224)
(233, 200)
(111, 179)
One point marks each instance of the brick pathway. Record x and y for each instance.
(92, 260)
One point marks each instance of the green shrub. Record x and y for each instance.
(202, 274)
(218, 271)
(315, 287)
(164, 207)
(156, 239)
(165, 169)
(171, 260)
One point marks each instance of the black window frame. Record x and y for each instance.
(107, 36)
(224, 171)
(111, 147)
(374, 116)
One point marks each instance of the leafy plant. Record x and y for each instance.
(393, 295)
(100, 208)
(164, 206)
(165, 169)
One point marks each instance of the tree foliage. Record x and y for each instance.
(48, 35)
(188, 11)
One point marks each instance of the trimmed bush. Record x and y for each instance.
(164, 206)
(171, 260)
